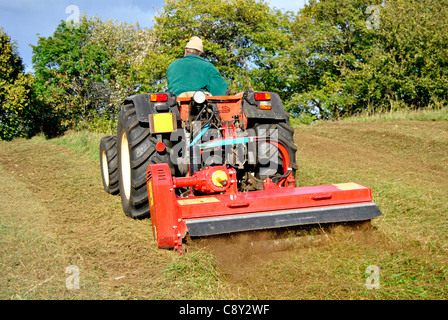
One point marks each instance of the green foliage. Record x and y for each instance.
(65, 70)
(340, 67)
(329, 43)
(326, 61)
(86, 72)
(98, 125)
(16, 107)
(125, 48)
(409, 66)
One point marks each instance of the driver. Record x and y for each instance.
(194, 73)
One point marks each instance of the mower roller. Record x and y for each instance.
(205, 165)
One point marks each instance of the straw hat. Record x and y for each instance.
(195, 43)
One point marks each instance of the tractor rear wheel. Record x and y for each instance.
(285, 136)
(109, 164)
(136, 150)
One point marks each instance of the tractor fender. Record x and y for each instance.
(144, 107)
(252, 111)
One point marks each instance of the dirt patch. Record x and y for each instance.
(250, 257)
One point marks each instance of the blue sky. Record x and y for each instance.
(24, 19)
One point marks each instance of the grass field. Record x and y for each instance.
(54, 213)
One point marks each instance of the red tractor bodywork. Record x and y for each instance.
(232, 211)
(215, 206)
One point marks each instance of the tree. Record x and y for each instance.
(409, 65)
(241, 38)
(125, 48)
(330, 41)
(340, 64)
(84, 73)
(16, 108)
(66, 70)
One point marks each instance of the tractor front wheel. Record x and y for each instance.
(109, 164)
(136, 150)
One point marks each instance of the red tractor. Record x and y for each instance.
(207, 165)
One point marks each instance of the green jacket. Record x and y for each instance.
(193, 73)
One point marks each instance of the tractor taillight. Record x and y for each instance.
(159, 97)
(265, 100)
(262, 96)
(264, 105)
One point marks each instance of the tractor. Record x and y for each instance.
(204, 165)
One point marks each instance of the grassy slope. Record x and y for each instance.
(405, 164)
(57, 214)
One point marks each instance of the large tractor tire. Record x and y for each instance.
(109, 164)
(285, 137)
(136, 150)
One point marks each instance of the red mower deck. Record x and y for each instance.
(233, 211)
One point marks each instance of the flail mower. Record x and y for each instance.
(207, 165)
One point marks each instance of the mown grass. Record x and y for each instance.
(402, 157)
(54, 213)
(29, 254)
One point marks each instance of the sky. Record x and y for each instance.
(25, 20)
